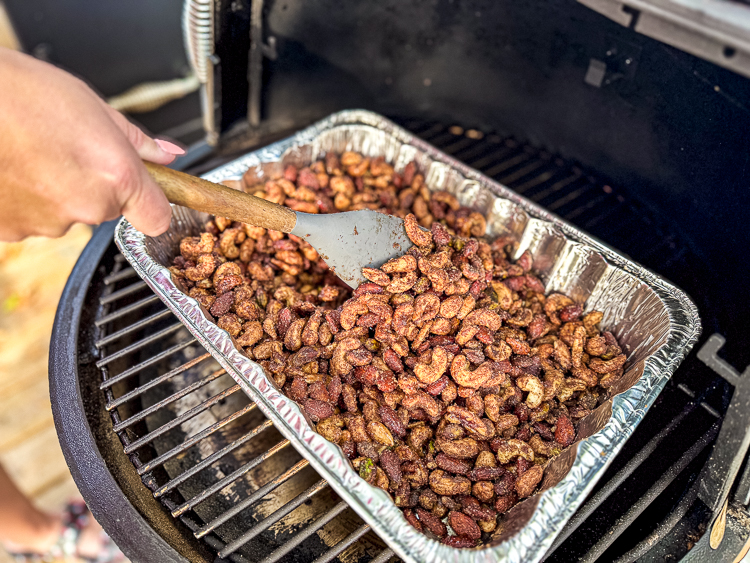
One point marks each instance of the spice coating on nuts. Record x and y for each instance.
(449, 378)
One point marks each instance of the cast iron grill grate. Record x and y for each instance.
(220, 467)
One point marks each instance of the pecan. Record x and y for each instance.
(469, 420)
(452, 465)
(392, 421)
(465, 448)
(330, 428)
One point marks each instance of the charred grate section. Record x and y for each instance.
(211, 458)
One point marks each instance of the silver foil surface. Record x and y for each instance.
(655, 323)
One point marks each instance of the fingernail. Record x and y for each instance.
(168, 147)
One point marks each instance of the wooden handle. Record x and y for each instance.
(202, 195)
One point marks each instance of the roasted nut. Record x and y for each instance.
(452, 465)
(443, 484)
(483, 490)
(415, 233)
(565, 433)
(331, 428)
(466, 448)
(463, 376)
(431, 372)
(380, 433)
(317, 410)
(534, 387)
(392, 466)
(464, 526)
(392, 421)
(510, 449)
(432, 523)
(503, 503)
(527, 482)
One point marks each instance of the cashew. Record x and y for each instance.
(510, 449)
(534, 387)
(405, 263)
(462, 375)
(430, 373)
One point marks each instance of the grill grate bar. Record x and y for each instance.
(572, 196)
(301, 536)
(666, 526)
(252, 499)
(588, 508)
(229, 479)
(475, 151)
(132, 328)
(128, 422)
(504, 165)
(461, 144)
(556, 187)
(120, 293)
(197, 468)
(491, 158)
(190, 442)
(591, 203)
(270, 520)
(384, 556)
(139, 344)
(522, 172)
(143, 365)
(154, 382)
(126, 310)
(332, 554)
(656, 489)
(123, 274)
(535, 181)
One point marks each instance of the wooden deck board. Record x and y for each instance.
(32, 276)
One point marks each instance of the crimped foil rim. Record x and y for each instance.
(555, 505)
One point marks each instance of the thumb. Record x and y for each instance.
(158, 151)
(147, 208)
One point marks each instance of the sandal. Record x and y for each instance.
(74, 521)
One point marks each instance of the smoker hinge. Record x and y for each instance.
(713, 30)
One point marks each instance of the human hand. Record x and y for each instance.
(67, 157)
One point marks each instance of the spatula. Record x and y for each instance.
(347, 241)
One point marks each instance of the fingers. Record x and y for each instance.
(158, 151)
(147, 208)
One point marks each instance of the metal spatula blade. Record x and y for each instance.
(346, 241)
(353, 240)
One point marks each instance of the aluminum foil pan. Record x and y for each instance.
(655, 323)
